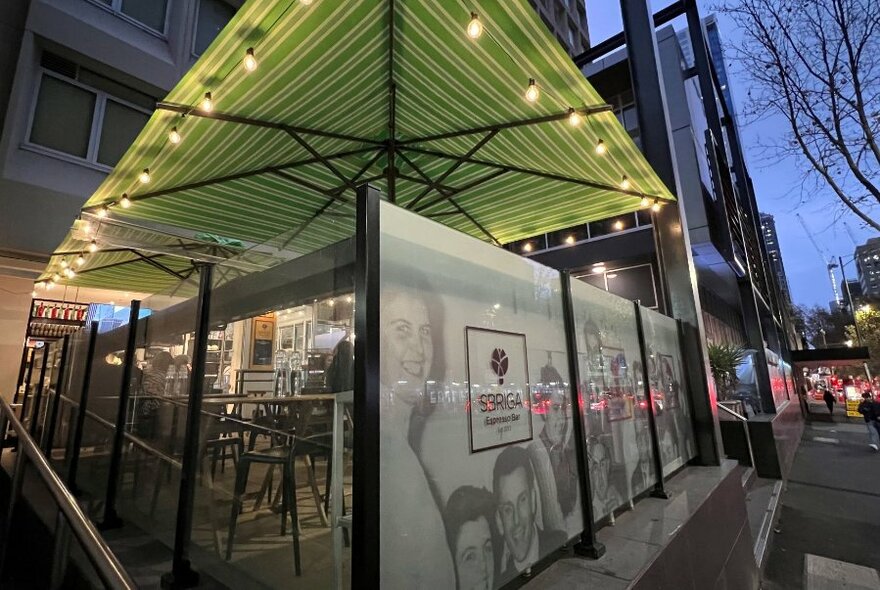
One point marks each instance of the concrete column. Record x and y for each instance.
(15, 305)
(672, 241)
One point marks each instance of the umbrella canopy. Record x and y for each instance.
(295, 104)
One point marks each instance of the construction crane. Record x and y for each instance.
(830, 264)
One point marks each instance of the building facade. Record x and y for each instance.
(567, 19)
(78, 80)
(867, 258)
(774, 254)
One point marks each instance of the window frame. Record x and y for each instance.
(97, 126)
(115, 8)
(195, 28)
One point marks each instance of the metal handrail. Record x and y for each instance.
(107, 565)
(736, 415)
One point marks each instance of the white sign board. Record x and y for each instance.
(500, 408)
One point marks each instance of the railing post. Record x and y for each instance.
(588, 546)
(365, 551)
(111, 518)
(182, 574)
(27, 382)
(659, 490)
(25, 355)
(38, 395)
(14, 495)
(72, 455)
(52, 415)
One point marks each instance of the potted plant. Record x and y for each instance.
(724, 360)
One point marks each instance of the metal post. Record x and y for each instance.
(588, 546)
(27, 382)
(25, 355)
(365, 553)
(14, 496)
(73, 454)
(672, 242)
(111, 518)
(182, 575)
(38, 395)
(852, 305)
(659, 490)
(49, 429)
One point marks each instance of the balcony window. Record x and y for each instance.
(84, 114)
(213, 16)
(150, 13)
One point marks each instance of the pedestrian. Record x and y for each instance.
(829, 400)
(870, 411)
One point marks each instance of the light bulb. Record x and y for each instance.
(527, 247)
(40, 285)
(64, 263)
(656, 206)
(532, 92)
(87, 227)
(618, 225)
(475, 27)
(250, 60)
(625, 184)
(569, 240)
(574, 118)
(601, 148)
(306, 2)
(103, 211)
(174, 136)
(144, 177)
(125, 202)
(34, 294)
(207, 103)
(70, 273)
(49, 286)
(93, 246)
(56, 277)
(80, 260)
(645, 202)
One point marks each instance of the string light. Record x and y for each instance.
(250, 60)
(625, 184)
(174, 136)
(532, 92)
(574, 118)
(70, 273)
(645, 202)
(34, 294)
(87, 227)
(56, 277)
(656, 206)
(144, 177)
(40, 285)
(306, 2)
(80, 260)
(601, 148)
(103, 211)
(64, 263)
(49, 286)
(125, 202)
(569, 240)
(618, 225)
(207, 104)
(475, 27)
(527, 247)
(93, 246)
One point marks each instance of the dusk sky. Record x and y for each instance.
(777, 186)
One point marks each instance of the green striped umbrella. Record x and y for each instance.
(390, 92)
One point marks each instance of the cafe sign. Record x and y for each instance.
(499, 408)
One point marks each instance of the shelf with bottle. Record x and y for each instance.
(49, 311)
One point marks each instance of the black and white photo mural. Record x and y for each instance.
(478, 463)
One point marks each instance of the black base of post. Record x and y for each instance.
(660, 492)
(183, 577)
(111, 521)
(589, 549)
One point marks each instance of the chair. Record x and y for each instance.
(285, 456)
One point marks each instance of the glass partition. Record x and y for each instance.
(479, 471)
(672, 408)
(612, 388)
(65, 404)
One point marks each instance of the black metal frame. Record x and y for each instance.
(27, 379)
(38, 394)
(366, 490)
(659, 490)
(587, 546)
(75, 441)
(52, 415)
(111, 519)
(182, 574)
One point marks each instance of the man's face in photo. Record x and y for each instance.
(475, 556)
(407, 348)
(556, 418)
(516, 512)
(600, 469)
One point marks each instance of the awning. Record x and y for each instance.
(343, 89)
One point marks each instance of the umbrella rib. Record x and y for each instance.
(333, 193)
(231, 118)
(459, 161)
(467, 187)
(157, 264)
(585, 111)
(315, 154)
(538, 173)
(115, 264)
(237, 176)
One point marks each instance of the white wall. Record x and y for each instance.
(15, 304)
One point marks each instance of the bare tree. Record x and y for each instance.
(817, 64)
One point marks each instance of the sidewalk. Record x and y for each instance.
(829, 515)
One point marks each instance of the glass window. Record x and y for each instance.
(635, 283)
(120, 127)
(63, 117)
(213, 16)
(148, 12)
